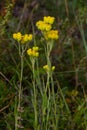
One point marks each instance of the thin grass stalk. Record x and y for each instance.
(16, 113)
(80, 25)
(83, 37)
(48, 113)
(67, 108)
(43, 106)
(48, 101)
(66, 8)
(54, 105)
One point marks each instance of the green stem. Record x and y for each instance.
(20, 86)
(18, 114)
(35, 97)
(48, 51)
(54, 105)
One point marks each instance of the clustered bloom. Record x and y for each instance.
(41, 25)
(47, 68)
(45, 26)
(26, 38)
(17, 36)
(22, 38)
(49, 19)
(33, 51)
(52, 34)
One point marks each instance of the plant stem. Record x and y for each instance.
(19, 111)
(54, 105)
(20, 86)
(35, 96)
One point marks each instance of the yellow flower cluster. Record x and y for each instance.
(17, 36)
(45, 26)
(22, 38)
(46, 67)
(26, 38)
(33, 51)
(49, 19)
(41, 25)
(52, 34)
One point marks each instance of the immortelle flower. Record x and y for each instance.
(48, 19)
(35, 48)
(26, 38)
(33, 52)
(22, 38)
(53, 68)
(41, 25)
(47, 68)
(30, 37)
(52, 34)
(17, 36)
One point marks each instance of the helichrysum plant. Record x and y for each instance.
(34, 54)
(49, 35)
(44, 116)
(22, 46)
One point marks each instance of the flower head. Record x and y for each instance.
(33, 52)
(52, 34)
(49, 19)
(30, 37)
(22, 38)
(26, 38)
(47, 68)
(17, 36)
(41, 25)
(35, 48)
(53, 68)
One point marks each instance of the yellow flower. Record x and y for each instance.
(22, 38)
(37, 54)
(30, 37)
(52, 34)
(29, 51)
(53, 68)
(49, 19)
(35, 48)
(17, 36)
(33, 52)
(47, 27)
(47, 68)
(26, 38)
(41, 25)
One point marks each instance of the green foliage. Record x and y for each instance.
(65, 106)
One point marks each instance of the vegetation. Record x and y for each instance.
(43, 59)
